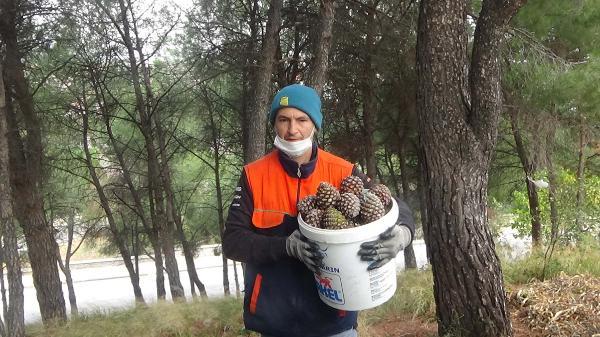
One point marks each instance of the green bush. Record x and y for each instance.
(566, 191)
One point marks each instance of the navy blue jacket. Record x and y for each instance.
(286, 302)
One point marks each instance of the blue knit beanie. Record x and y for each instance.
(300, 97)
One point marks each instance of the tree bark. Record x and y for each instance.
(320, 64)
(458, 108)
(257, 117)
(14, 311)
(26, 154)
(529, 169)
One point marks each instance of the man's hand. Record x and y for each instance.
(386, 247)
(305, 250)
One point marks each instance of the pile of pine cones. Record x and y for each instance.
(349, 207)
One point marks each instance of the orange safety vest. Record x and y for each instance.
(276, 193)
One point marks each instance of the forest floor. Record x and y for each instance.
(407, 326)
(563, 306)
(566, 304)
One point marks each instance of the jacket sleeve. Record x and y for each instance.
(240, 241)
(405, 216)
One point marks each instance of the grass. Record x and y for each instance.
(223, 317)
(414, 297)
(582, 259)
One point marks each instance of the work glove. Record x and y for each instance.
(386, 247)
(305, 250)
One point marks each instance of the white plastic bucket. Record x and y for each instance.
(345, 283)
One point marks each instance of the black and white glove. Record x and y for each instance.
(305, 250)
(386, 247)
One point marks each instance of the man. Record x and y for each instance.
(281, 299)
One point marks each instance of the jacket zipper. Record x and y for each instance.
(299, 174)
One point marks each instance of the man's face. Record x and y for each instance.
(292, 124)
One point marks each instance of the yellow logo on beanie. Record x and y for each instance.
(284, 101)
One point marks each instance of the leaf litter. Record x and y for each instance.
(560, 307)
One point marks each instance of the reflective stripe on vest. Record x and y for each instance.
(274, 192)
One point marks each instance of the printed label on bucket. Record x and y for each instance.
(330, 287)
(379, 282)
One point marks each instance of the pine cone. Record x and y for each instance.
(371, 207)
(313, 217)
(307, 204)
(383, 193)
(349, 205)
(353, 223)
(333, 219)
(352, 184)
(327, 195)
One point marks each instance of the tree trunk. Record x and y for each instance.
(14, 311)
(257, 117)
(155, 190)
(217, 171)
(173, 216)
(410, 260)
(26, 154)
(145, 125)
(165, 214)
(248, 77)
(66, 266)
(189, 258)
(290, 73)
(529, 169)
(423, 193)
(552, 186)
(368, 93)
(318, 70)
(137, 199)
(236, 279)
(151, 232)
(390, 166)
(458, 109)
(161, 292)
(117, 236)
(3, 292)
(580, 176)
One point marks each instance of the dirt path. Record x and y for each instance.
(406, 326)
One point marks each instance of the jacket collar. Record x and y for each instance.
(292, 168)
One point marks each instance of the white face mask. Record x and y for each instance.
(296, 148)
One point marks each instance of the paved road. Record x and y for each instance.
(103, 285)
